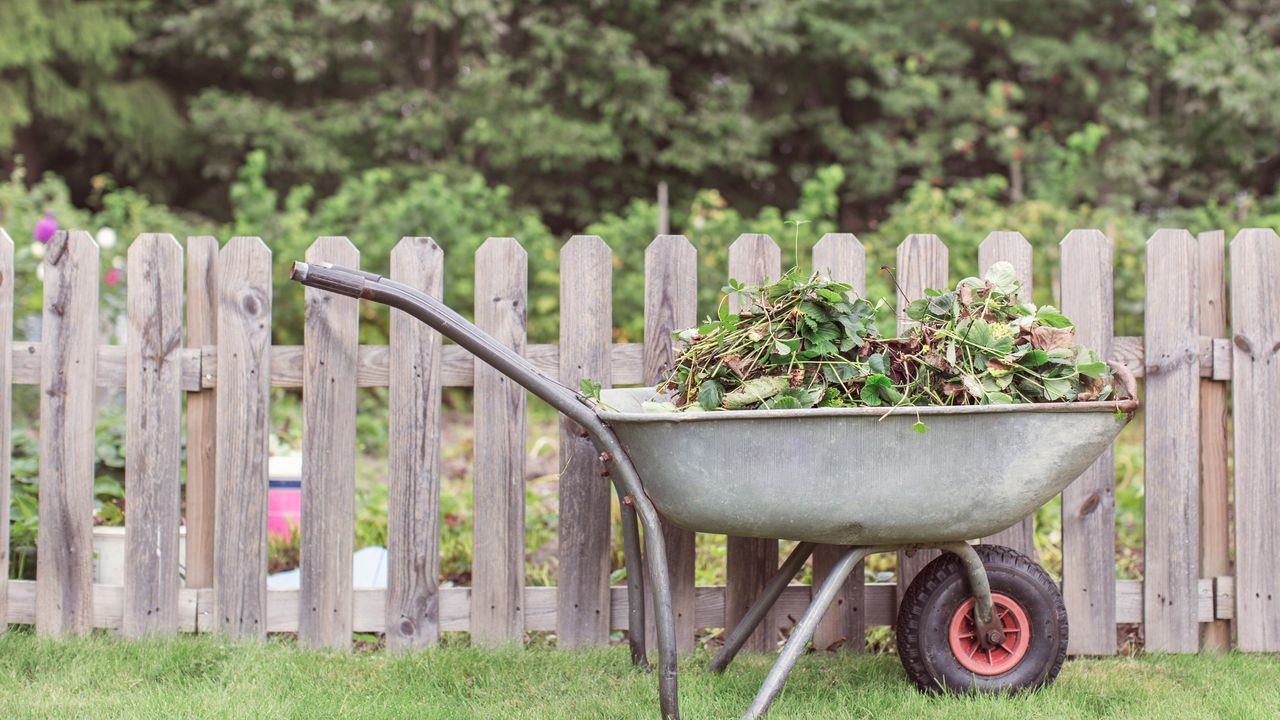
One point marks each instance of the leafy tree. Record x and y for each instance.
(70, 100)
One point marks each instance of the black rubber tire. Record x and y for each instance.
(941, 587)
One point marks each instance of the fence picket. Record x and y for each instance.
(1011, 247)
(331, 329)
(413, 439)
(922, 263)
(64, 555)
(1215, 532)
(586, 331)
(1255, 373)
(1172, 465)
(244, 426)
(1088, 503)
(6, 415)
(153, 417)
(750, 562)
(202, 412)
(671, 304)
(840, 256)
(497, 567)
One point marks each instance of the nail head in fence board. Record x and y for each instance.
(244, 397)
(6, 415)
(1215, 533)
(841, 257)
(586, 330)
(412, 609)
(1088, 503)
(331, 327)
(751, 561)
(1255, 372)
(1014, 249)
(498, 546)
(202, 412)
(153, 418)
(671, 304)
(64, 573)
(922, 263)
(1172, 411)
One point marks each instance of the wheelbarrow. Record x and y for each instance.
(978, 618)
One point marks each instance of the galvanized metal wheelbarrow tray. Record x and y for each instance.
(856, 476)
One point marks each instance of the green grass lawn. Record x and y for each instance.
(202, 677)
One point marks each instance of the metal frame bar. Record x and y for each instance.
(369, 286)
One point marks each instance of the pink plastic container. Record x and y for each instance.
(284, 507)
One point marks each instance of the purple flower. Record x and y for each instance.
(45, 228)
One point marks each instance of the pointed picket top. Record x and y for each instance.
(415, 247)
(246, 245)
(76, 245)
(498, 247)
(922, 264)
(585, 249)
(841, 257)
(1011, 247)
(5, 240)
(327, 248)
(148, 242)
(674, 244)
(1256, 238)
(753, 257)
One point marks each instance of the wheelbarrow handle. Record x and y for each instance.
(369, 286)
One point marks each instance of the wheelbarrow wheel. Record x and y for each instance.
(937, 642)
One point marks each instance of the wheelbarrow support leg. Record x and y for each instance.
(760, 608)
(803, 632)
(634, 563)
(989, 629)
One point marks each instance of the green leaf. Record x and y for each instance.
(1003, 278)
(918, 310)
(875, 361)
(710, 394)
(919, 427)
(1049, 315)
(999, 398)
(1092, 369)
(589, 388)
(781, 402)
(1058, 388)
(1034, 358)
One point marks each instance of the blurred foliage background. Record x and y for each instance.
(465, 119)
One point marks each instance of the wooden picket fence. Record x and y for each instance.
(224, 364)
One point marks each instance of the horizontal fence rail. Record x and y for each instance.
(223, 361)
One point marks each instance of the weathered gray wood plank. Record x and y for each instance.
(922, 263)
(1215, 530)
(1172, 465)
(1255, 326)
(244, 424)
(497, 614)
(6, 415)
(64, 573)
(1088, 503)
(153, 441)
(1012, 248)
(841, 257)
(331, 337)
(202, 412)
(413, 438)
(586, 329)
(751, 561)
(671, 304)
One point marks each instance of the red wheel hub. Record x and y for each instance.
(983, 658)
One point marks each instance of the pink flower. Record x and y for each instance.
(112, 276)
(45, 228)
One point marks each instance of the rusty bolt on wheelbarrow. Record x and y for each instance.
(982, 617)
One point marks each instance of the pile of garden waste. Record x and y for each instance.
(805, 341)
